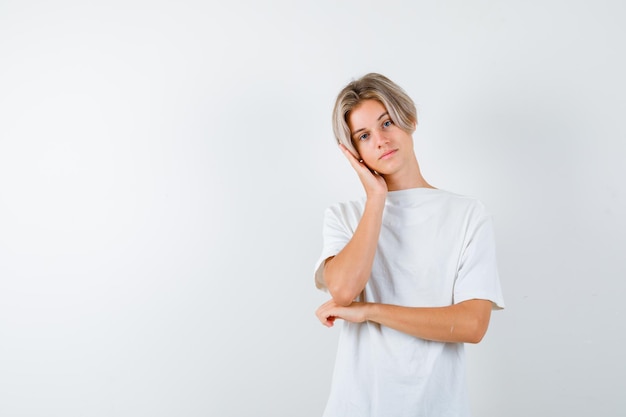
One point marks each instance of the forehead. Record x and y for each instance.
(365, 114)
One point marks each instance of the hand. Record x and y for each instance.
(373, 183)
(328, 312)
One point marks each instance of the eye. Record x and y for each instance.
(387, 123)
(364, 136)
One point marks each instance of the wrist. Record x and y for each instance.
(376, 198)
(370, 311)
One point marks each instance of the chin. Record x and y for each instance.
(383, 171)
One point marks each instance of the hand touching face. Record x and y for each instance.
(383, 146)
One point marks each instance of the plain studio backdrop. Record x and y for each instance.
(164, 168)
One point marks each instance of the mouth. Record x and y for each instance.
(388, 154)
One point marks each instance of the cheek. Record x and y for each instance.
(368, 158)
(366, 150)
(359, 149)
(362, 147)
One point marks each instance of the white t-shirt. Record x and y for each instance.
(435, 249)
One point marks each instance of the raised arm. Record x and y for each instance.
(346, 274)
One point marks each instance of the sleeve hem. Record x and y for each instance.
(319, 268)
(497, 302)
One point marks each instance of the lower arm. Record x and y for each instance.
(347, 273)
(465, 322)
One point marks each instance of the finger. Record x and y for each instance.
(326, 319)
(348, 153)
(322, 315)
(325, 313)
(355, 161)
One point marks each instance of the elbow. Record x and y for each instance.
(476, 320)
(475, 337)
(342, 295)
(477, 331)
(342, 292)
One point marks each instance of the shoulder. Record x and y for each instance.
(346, 208)
(468, 212)
(462, 202)
(344, 215)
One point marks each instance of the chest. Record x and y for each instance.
(416, 263)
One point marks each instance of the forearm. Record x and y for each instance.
(347, 273)
(464, 322)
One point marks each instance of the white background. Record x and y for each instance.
(164, 168)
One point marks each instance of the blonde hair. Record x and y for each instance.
(372, 86)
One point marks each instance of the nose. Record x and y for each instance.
(380, 139)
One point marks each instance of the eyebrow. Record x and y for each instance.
(361, 129)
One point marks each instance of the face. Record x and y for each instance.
(383, 146)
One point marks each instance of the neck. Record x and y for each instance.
(411, 177)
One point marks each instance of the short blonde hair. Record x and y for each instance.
(372, 86)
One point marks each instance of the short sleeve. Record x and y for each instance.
(478, 276)
(336, 234)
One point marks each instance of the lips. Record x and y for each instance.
(388, 154)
